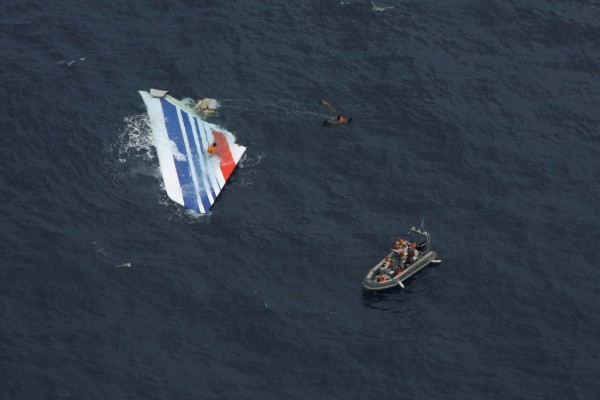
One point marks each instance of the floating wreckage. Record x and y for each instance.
(193, 174)
(207, 105)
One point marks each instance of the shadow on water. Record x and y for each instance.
(396, 300)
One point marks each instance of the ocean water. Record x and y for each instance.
(481, 117)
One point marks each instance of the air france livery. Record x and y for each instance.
(192, 175)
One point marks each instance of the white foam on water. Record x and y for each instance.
(248, 162)
(135, 139)
(178, 156)
(99, 248)
(377, 8)
(70, 62)
(183, 215)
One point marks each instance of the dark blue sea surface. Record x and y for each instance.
(482, 117)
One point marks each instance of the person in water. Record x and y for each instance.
(212, 149)
(339, 120)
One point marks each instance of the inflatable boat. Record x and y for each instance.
(407, 257)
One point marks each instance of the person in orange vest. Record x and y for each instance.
(212, 149)
(386, 267)
(399, 246)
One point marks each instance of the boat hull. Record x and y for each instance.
(371, 282)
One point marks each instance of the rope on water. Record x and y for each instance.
(266, 106)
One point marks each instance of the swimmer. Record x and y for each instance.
(339, 120)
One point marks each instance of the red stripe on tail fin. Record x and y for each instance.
(227, 163)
